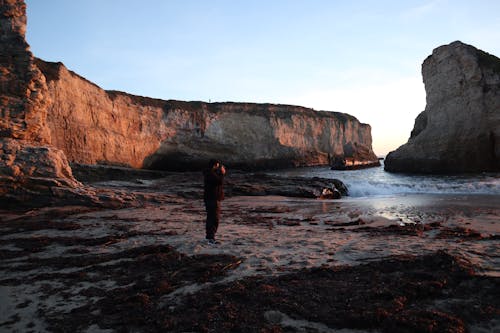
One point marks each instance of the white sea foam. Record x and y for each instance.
(377, 182)
(431, 185)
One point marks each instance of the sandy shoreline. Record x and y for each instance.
(291, 233)
(261, 236)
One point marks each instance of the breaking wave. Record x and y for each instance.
(377, 182)
(431, 185)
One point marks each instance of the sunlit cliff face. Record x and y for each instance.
(95, 126)
(23, 95)
(92, 126)
(30, 167)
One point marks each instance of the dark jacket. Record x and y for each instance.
(213, 185)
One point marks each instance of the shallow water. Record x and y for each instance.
(325, 230)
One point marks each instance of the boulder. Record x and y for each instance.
(32, 173)
(459, 130)
(265, 184)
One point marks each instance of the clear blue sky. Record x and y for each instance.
(359, 57)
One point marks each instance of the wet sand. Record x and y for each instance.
(148, 268)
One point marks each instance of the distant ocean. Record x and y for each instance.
(374, 182)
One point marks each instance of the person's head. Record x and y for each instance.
(213, 164)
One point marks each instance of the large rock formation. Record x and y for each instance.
(459, 131)
(33, 173)
(23, 98)
(94, 126)
(28, 166)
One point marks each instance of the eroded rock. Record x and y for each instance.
(33, 173)
(459, 131)
(94, 126)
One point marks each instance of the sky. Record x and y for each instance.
(359, 57)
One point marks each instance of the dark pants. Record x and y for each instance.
(213, 217)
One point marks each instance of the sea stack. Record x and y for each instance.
(459, 131)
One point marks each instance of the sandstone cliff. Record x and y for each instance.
(459, 131)
(22, 86)
(28, 167)
(33, 173)
(94, 126)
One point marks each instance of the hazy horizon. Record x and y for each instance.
(361, 58)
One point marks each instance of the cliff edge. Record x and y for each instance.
(29, 166)
(459, 131)
(94, 126)
(33, 172)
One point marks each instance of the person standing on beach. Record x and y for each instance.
(213, 194)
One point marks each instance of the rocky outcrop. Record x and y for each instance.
(32, 172)
(29, 172)
(94, 126)
(23, 98)
(459, 131)
(27, 166)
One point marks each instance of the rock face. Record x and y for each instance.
(28, 166)
(459, 131)
(29, 172)
(23, 98)
(32, 172)
(94, 126)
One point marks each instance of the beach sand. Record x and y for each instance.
(70, 268)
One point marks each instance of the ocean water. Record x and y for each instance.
(376, 182)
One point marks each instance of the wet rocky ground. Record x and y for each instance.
(283, 265)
